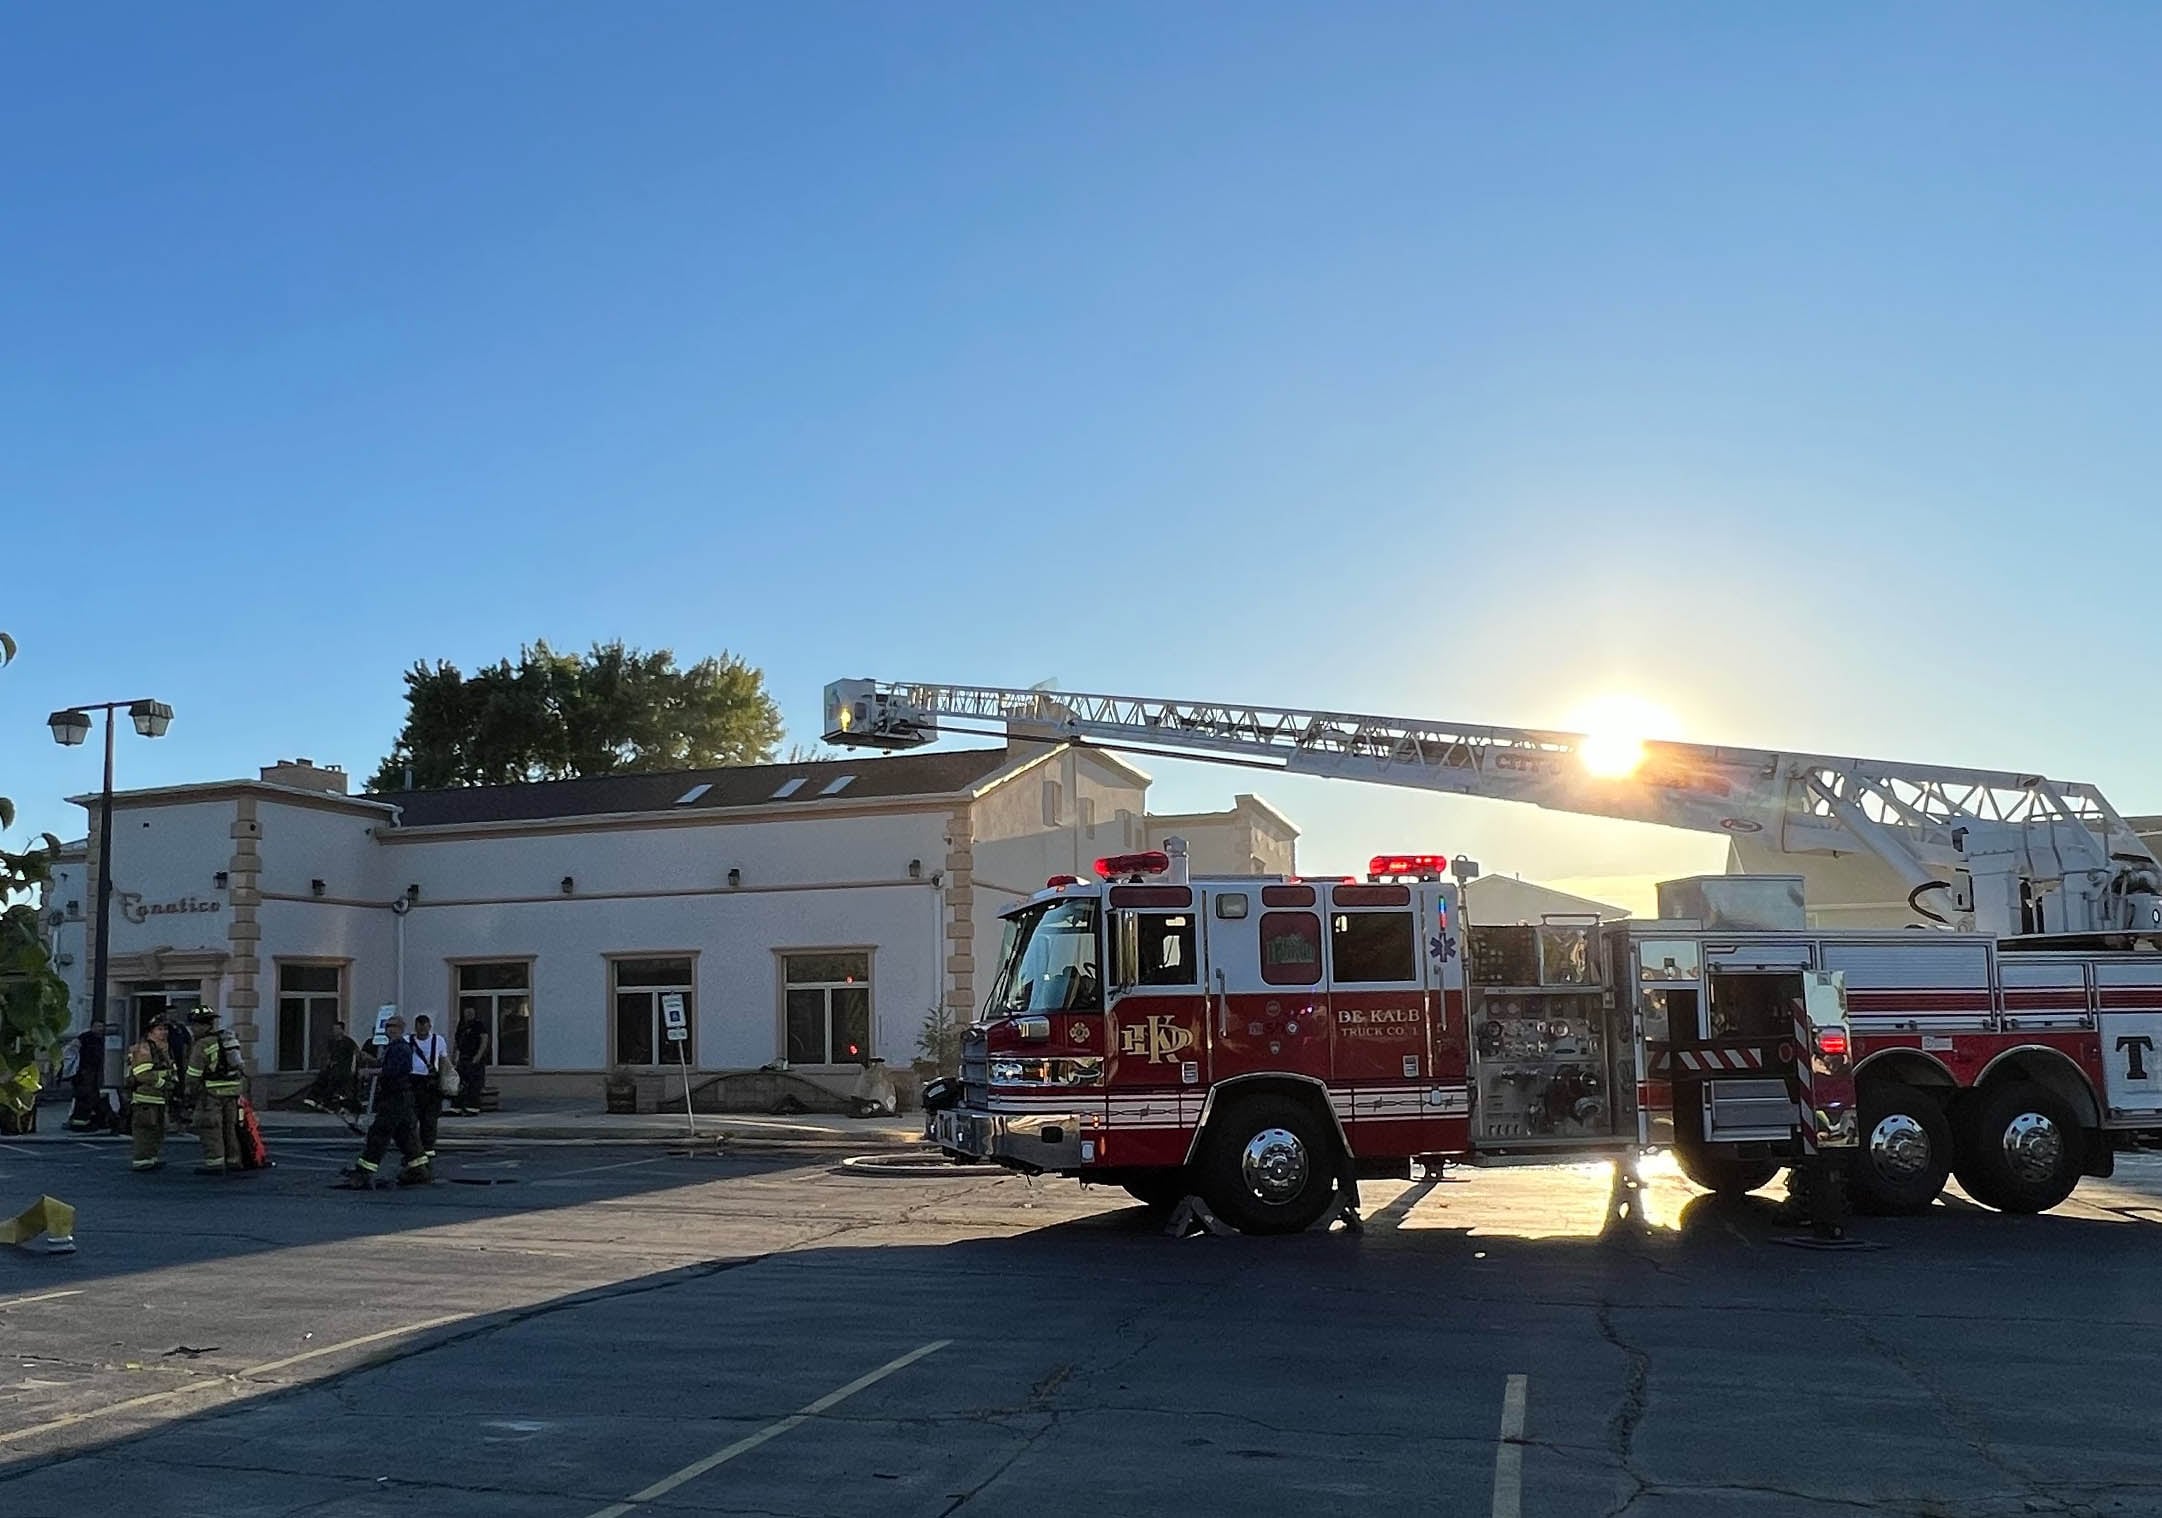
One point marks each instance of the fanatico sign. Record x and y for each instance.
(133, 908)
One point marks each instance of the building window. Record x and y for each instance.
(641, 986)
(826, 1008)
(310, 999)
(501, 995)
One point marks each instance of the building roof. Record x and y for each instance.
(1505, 898)
(865, 778)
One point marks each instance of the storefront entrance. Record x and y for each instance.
(149, 1000)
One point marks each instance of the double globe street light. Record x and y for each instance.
(70, 728)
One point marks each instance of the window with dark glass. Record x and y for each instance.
(642, 987)
(1372, 947)
(1167, 949)
(826, 1011)
(310, 999)
(1290, 948)
(500, 993)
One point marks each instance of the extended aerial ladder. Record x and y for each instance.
(1989, 850)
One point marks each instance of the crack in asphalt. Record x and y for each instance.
(1621, 1427)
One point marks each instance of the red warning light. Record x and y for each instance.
(1417, 865)
(1832, 1042)
(1148, 862)
(1061, 880)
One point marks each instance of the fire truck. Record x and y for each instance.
(1262, 1043)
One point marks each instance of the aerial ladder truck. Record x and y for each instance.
(1260, 1042)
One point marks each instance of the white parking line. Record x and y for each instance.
(771, 1431)
(44, 1297)
(217, 1383)
(1509, 1453)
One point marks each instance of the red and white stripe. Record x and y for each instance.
(1720, 1059)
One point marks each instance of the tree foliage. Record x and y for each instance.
(560, 716)
(33, 1000)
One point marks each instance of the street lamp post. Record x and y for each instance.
(70, 728)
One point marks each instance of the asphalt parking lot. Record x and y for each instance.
(576, 1330)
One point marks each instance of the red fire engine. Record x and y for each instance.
(1262, 1042)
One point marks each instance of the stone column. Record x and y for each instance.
(243, 936)
(960, 892)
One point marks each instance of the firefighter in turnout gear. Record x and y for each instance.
(149, 1083)
(397, 1083)
(215, 1075)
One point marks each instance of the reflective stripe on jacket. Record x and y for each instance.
(208, 1055)
(150, 1076)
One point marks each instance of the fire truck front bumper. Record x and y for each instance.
(1032, 1141)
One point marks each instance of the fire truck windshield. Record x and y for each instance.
(1050, 961)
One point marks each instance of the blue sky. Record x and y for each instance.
(1794, 371)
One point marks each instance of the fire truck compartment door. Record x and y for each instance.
(2131, 997)
(1770, 957)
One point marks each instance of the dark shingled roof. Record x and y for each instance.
(876, 778)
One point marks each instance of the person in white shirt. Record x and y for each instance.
(430, 1054)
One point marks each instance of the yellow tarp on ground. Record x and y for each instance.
(47, 1215)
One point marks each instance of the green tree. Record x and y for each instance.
(559, 716)
(33, 1000)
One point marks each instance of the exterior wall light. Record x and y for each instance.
(735, 877)
(569, 885)
(218, 880)
(915, 869)
(317, 887)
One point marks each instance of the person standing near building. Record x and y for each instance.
(430, 1053)
(216, 1076)
(394, 1085)
(90, 1110)
(149, 1082)
(336, 1087)
(471, 1047)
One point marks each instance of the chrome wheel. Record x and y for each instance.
(1899, 1147)
(1274, 1165)
(2033, 1148)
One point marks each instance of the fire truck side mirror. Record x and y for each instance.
(1125, 951)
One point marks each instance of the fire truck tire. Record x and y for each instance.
(1723, 1174)
(1269, 1165)
(1906, 1150)
(1165, 1189)
(2022, 1148)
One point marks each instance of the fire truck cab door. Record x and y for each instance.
(1269, 1001)
(1157, 1029)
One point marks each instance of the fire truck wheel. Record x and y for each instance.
(1269, 1165)
(1723, 1174)
(1160, 1190)
(2022, 1149)
(1906, 1152)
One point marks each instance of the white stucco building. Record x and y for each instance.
(814, 913)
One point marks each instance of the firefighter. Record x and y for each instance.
(396, 1088)
(149, 1083)
(215, 1075)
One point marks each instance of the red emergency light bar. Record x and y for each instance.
(1408, 864)
(1148, 862)
(1057, 881)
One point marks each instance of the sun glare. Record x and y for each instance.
(1615, 728)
